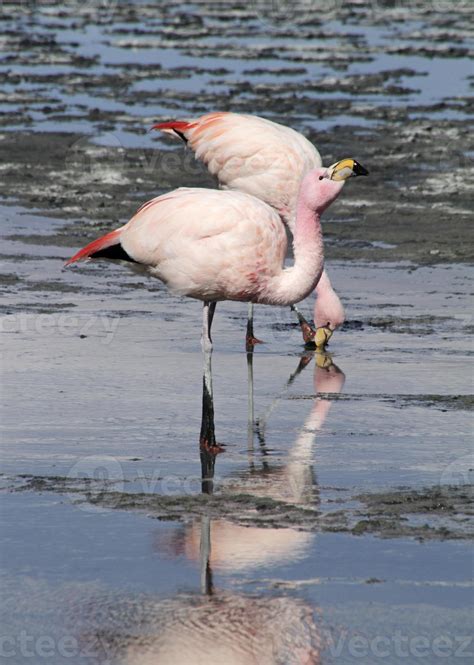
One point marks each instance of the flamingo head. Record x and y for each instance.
(322, 186)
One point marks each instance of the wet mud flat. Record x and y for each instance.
(342, 506)
(440, 512)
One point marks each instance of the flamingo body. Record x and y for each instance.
(206, 244)
(265, 159)
(209, 244)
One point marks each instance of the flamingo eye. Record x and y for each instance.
(321, 177)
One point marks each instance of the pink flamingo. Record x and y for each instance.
(219, 245)
(268, 160)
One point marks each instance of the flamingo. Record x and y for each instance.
(216, 245)
(268, 160)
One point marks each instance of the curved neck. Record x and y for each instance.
(295, 283)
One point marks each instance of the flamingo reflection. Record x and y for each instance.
(219, 627)
(189, 629)
(236, 547)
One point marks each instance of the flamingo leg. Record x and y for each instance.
(208, 447)
(308, 332)
(261, 422)
(313, 339)
(207, 437)
(250, 339)
(250, 408)
(207, 316)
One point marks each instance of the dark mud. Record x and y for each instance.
(441, 402)
(441, 513)
(415, 207)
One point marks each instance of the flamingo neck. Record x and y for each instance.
(328, 309)
(296, 282)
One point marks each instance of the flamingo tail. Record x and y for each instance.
(107, 247)
(175, 127)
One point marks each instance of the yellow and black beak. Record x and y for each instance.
(322, 337)
(345, 169)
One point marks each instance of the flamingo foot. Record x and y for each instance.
(250, 342)
(211, 448)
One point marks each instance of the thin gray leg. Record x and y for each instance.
(250, 407)
(207, 316)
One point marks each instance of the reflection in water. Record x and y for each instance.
(295, 482)
(242, 548)
(207, 437)
(216, 627)
(222, 629)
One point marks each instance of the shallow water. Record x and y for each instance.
(386, 415)
(339, 529)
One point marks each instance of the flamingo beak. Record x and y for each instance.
(322, 337)
(346, 168)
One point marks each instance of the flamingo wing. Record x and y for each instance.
(250, 154)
